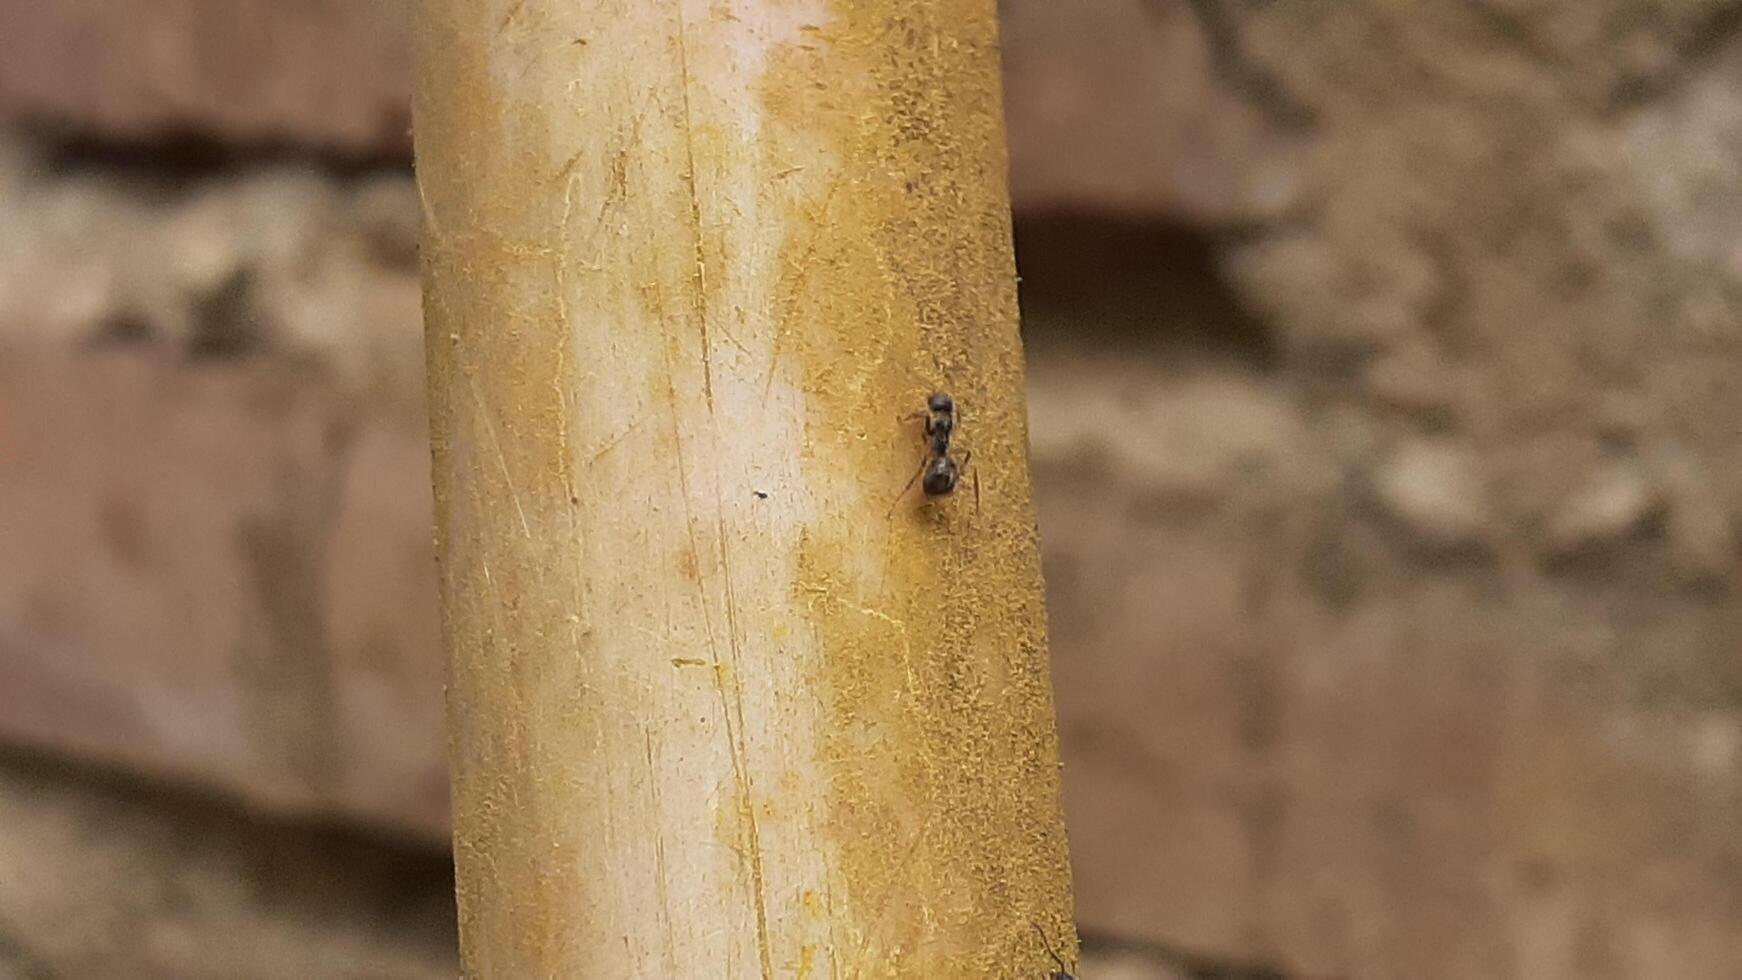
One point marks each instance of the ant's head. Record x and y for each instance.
(940, 402)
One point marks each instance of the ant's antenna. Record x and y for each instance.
(1047, 945)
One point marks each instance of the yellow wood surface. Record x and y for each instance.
(720, 704)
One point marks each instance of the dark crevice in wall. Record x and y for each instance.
(1241, 73)
(1090, 281)
(16, 959)
(296, 862)
(173, 158)
(1719, 35)
(1195, 966)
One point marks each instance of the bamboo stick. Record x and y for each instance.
(721, 704)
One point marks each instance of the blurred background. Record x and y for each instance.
(1386, 398)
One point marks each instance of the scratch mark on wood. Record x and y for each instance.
(662, 884)
(560, 379)
(495, 599)
(683, 479)
(501, 457)
(432, 227)
(777, 351)
(701, 278)
(734, 723)
(615, 441)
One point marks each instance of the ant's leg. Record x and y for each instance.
(967, 457)
(910, 482)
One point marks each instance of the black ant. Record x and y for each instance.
(1063, 972)
(939, 469)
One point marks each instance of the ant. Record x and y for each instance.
(1063, 972)
(940, 470)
